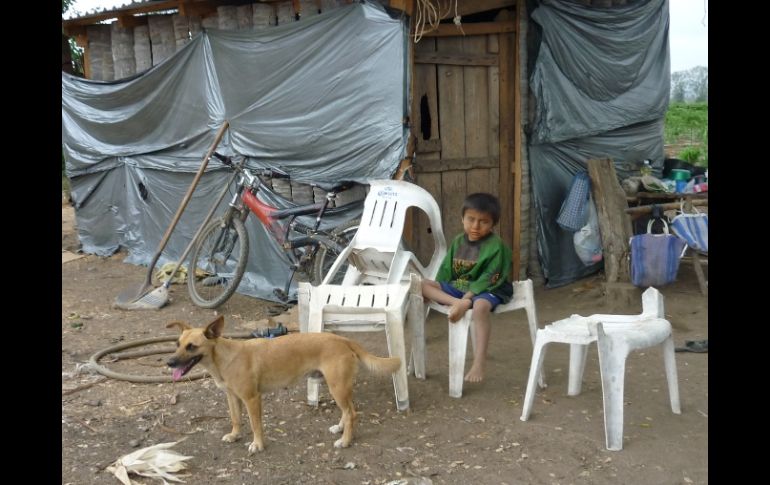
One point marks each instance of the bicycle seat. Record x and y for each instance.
(333, 186)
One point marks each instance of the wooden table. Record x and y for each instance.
(645, 201)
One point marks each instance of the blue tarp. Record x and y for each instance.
(601, 85)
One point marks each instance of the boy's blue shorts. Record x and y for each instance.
(451, 290)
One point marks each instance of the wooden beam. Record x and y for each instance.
(87, 60)
(129, 21)
(457, 59)
(75, 32)
(406, 6)
(447, 7)
(187, 8)
(423, 165)
(199, 9)
(82, 40)
(428, 146)
(480, 28)
(122, 11)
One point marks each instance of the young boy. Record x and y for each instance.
(474, 274)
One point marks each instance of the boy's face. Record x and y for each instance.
(477, 224)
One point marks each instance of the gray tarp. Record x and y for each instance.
(601, 82)
(324, 99)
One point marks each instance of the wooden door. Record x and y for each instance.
(456, 120)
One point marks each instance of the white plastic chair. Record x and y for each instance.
(378, 269)
(375, 254)
(523, 298)
(616, 337)
(368, 308)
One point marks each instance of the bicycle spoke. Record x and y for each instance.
(219, 261)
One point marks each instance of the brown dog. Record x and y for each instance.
(246, 369)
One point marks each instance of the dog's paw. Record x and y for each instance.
(336, 429)
(254, 446)
(230, 437)
(340, 443)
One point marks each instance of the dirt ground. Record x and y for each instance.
(475, 439)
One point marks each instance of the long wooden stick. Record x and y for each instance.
(636, 212)
(185, 200)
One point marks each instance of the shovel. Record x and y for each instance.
(141, 297)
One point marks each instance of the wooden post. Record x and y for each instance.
(615, 227)
(517, 169)
(508, 171)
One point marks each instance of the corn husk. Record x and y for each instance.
(156, 461)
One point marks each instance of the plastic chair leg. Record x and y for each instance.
(416, 321)
(532, 321)
(303, 304)
(314, 323)
(394, 331)
(458, 344)
(535, 368)
(313, 386)
(612, 362)
(577, 365)
(671, 374)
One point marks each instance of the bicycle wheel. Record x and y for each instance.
(220, 253)
(326, 255)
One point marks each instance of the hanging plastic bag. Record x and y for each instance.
(655, 257)
(574, 210)
(693, 229)
(588, 240)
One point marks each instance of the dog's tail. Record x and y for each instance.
(377, 365)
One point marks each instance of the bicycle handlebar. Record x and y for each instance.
(264, 172)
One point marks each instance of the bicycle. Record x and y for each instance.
(221, 250)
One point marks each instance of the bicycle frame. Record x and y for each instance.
(245, 200)
(303, 244)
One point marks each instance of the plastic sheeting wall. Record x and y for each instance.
(601, 85)
(323, 99)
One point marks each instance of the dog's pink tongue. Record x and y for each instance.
(177, 373)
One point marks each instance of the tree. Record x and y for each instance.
(72, 55)
(677, 88)
(690, 85)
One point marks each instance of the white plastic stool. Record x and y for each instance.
(523, 298)
(616, 337)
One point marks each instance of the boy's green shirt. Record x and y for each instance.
(478, 266)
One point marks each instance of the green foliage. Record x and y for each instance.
(77, 59)
(691, 154)
(687, 124)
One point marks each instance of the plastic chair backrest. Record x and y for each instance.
(377, 244)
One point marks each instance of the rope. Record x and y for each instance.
(429, 11)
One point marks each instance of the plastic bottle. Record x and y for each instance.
(646, 168)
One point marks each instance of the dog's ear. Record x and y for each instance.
(181, 325)
(214, 329)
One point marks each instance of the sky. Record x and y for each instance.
(688, 32)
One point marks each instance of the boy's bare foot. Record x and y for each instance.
(475, 374)
(458, 309)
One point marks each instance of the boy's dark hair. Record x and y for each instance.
(483, 202)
